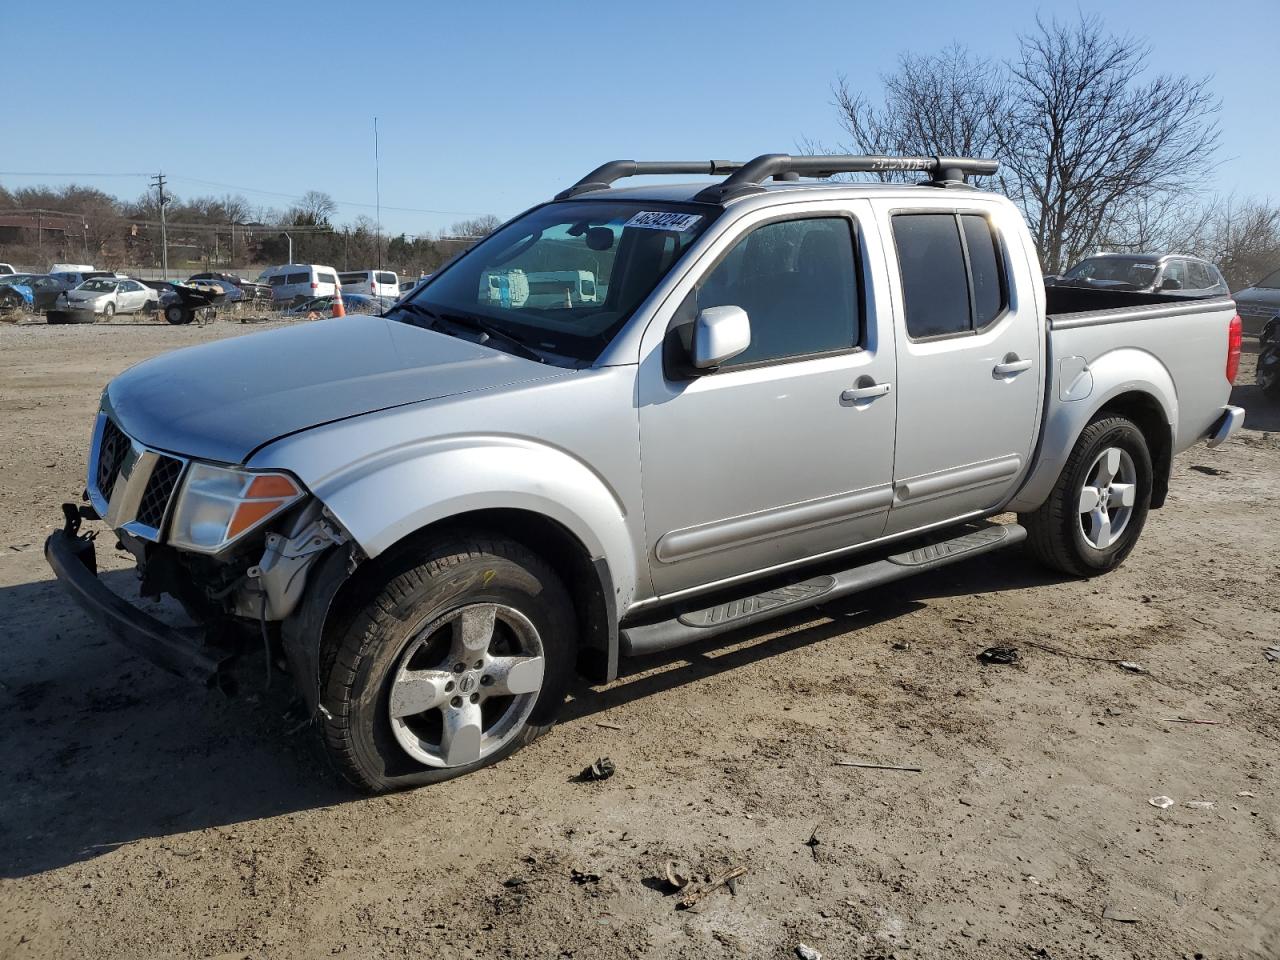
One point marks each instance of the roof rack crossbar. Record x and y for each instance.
(941, 170)
(604, 175)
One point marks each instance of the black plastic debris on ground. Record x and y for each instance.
(602, 769)
(998, 655)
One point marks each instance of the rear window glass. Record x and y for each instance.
(984, 267)
(386, 278)
(326, 278)
(934, 286)
(352, 277)
(297, 278)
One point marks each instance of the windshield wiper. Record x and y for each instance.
(487, 331)
(490, 331)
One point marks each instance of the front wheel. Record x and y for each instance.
(460, 659)
(1095, 513)
(108, 311)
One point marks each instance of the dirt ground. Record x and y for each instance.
(143, 818)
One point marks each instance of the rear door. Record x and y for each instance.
(970, 359)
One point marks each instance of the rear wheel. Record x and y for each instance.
(1268, 375)
(176, 315)
(1092, 519)
(460, 659)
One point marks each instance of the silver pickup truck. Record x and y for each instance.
(629, 419)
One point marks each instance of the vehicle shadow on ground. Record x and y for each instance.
(101, 749)
(1261, 412)
(644, 676)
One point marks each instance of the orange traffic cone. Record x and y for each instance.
(338, 309)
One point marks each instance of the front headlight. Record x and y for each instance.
(218, 506)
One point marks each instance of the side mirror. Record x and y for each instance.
(719, 335)
(1171, 283)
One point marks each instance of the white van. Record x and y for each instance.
(375, 283)
(299, 280)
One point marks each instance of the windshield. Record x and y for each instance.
(1271, 281)
(15, 278)
(98, 286)
(565, 277)
(1130, 271)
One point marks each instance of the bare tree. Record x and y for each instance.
(1090, 149)
(950, 104)
(475, 227)
(315, 208)
(1087, 135)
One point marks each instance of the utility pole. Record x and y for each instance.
(377, 191)
(158, 182)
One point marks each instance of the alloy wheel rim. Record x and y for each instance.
(1106, 501)
(465, 684)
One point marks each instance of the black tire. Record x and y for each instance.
(420, 586)
(108, 311)
(1054, 533)
(177, 315)
(1268, 375)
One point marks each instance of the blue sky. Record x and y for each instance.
(489, 107)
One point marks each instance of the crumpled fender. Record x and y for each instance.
(384, 498)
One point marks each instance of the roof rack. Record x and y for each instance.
(746, 178)
(604, 175)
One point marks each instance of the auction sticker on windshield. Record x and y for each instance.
(661, 220)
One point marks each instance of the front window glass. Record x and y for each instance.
(797, 282)
(565, 277)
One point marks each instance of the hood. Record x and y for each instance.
(221, 401)
(88, 294)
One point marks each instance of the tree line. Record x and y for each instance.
(1098, 152)
(213, 232)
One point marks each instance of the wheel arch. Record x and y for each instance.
(1151, 403)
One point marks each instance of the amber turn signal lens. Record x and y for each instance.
(271, 485)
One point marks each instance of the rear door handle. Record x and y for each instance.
(1009, 366)
(866, 392)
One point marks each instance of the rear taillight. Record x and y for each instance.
(1235, 337)
(314, 285)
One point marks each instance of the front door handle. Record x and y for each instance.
(866, 391)
(1009, 366)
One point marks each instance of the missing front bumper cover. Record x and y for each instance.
(175, 649)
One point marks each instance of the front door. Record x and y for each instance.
(969, 364)
(785, 452)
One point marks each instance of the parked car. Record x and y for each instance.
(74, 268)
(351, 303)
(253, 292)
(297, 281)
(15, 293)
(1259, 303)
(791, 391)
(375, 283)
(6, 268)
(231, 293)
(1167, 273)
(43, 289)
(407, 285)
(70, 279)
(102, 297)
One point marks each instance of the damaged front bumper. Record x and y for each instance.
(175, 649)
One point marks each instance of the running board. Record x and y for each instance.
(692, 625)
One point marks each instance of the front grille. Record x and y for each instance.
(110, 457)
(155, 498)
